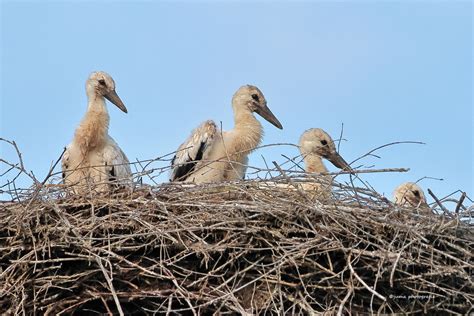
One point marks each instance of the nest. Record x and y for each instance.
(230, 248)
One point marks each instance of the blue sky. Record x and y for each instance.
(389, 71)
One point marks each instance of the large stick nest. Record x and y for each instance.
(231, 248)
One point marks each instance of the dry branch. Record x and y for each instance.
(242, 247)
(228, 248)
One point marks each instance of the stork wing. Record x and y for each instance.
(65, 161)
(118, 166)
(192, 151)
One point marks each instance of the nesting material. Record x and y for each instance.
(231, 248)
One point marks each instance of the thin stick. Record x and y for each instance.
(445, 210)
(38, 188)
(111, 286)
(461, 200)
(365, 171)
(298, 189)
(371, 290)
(344, 300)
(340, 137)
(386, 145)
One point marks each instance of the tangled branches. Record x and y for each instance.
(241, 247)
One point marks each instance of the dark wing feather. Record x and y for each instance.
(65, 162)
(112, 175)
(192, 151)
(184, 170)
(117, 163)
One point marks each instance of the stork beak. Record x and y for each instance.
(338, 161)
(265, 112)
(113, 97)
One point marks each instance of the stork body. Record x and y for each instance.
(211, 155)
(410, 194)
(315, 144)
(93, 159)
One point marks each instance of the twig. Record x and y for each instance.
(370, 289)
(445, 210)
(386, 145)
(461, 200)
(111, 286)
(298, 189)
(344, 300)
(340, 137)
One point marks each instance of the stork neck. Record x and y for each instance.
(93, 130)
(314, 163)
(249, 129)
(96, 103)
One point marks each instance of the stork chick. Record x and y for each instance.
(315, 144)
(411, 194)
(93, 157)
(211, 155)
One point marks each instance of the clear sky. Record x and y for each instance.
(389, 71)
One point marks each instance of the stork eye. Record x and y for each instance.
(324, 142)
(417, 193)
(255, 97)
(102, 82)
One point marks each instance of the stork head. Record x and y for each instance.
(251, 98)
(409, 193)
(101, 83)
(318, 142)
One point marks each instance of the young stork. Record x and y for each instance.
(410, 194)
(93, 156)
(316, 144)
(211, 155)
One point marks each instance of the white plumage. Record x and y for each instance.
(411, 194)
(93, 159)
(315, 144)
(211, 155)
